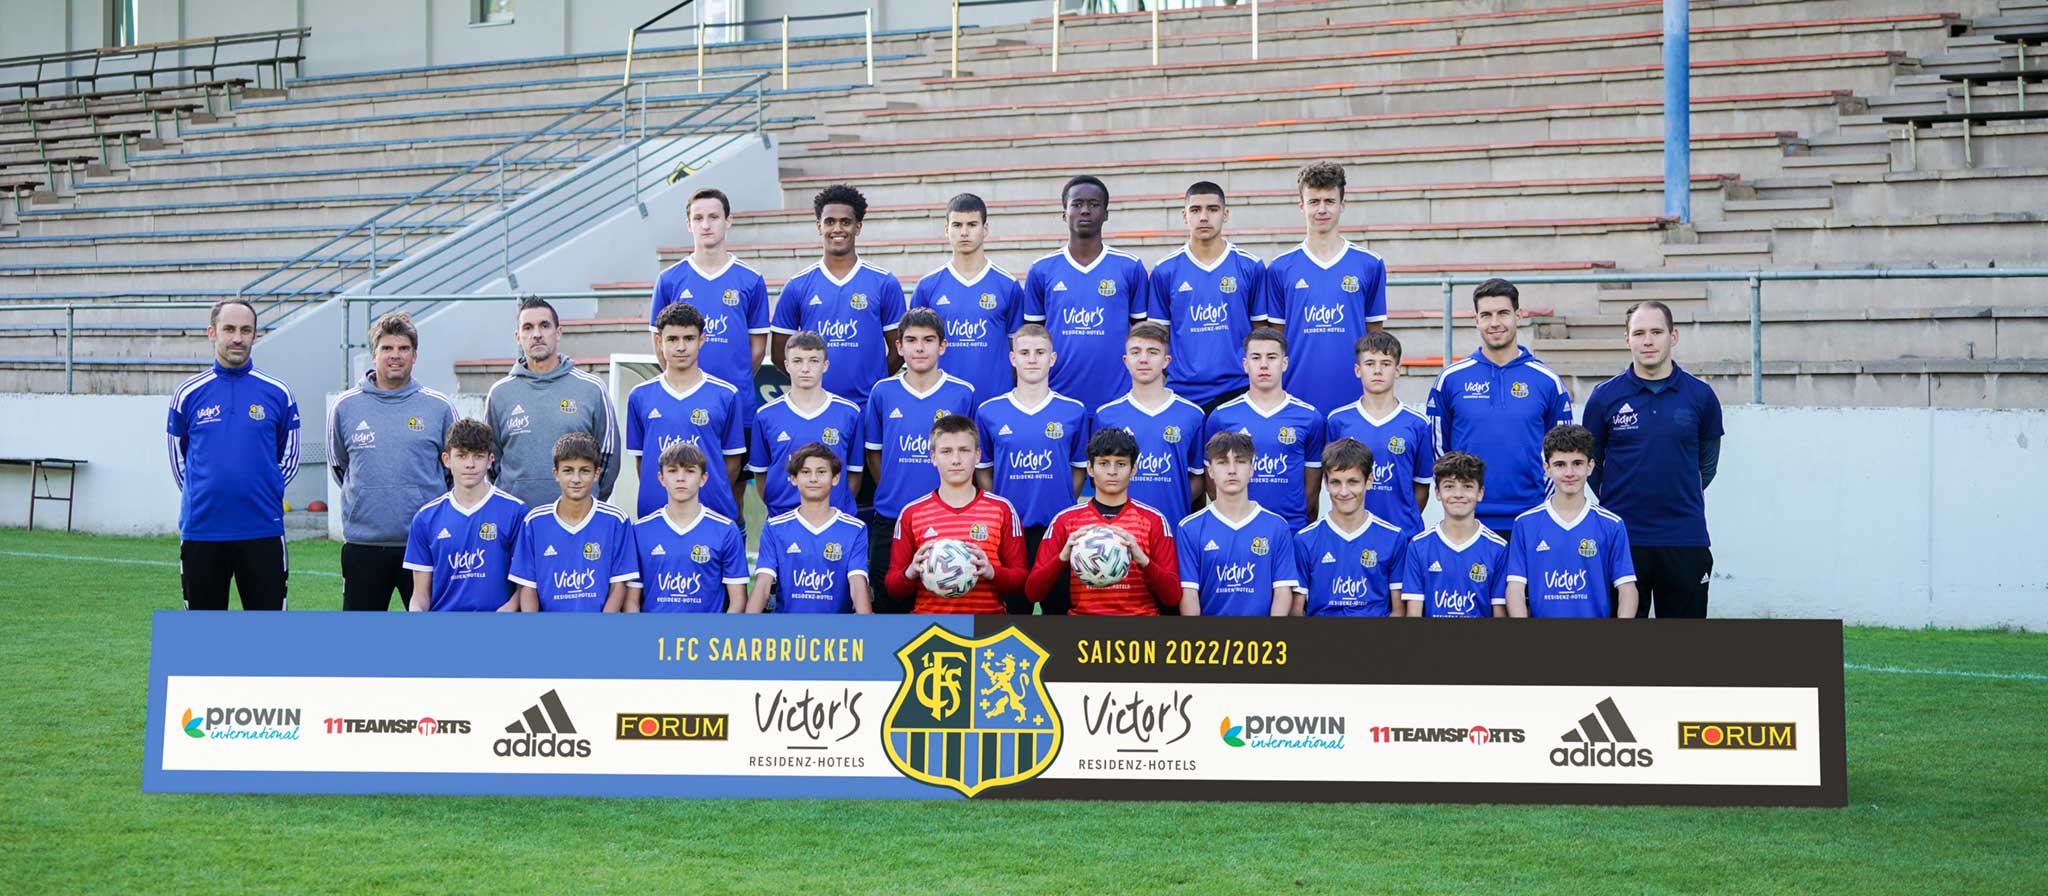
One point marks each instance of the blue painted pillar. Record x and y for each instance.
(1677, 111)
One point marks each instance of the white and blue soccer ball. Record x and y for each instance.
(949, 568)
(1098, 557)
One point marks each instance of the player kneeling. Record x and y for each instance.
(574, 554)
(815, 555)
(1453, 569)
(691, 559)
(1349, 561)
(459, 547)
(1149, 579)
(1566, 554)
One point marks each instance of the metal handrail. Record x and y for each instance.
(154, 50)
(867, 17)
(953, 66)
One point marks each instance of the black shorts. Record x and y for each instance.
(1673, 580)
(881, 529)
(257, 566)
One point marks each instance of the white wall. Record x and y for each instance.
(126, 487)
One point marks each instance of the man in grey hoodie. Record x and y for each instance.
(384, 441)
(544, 398)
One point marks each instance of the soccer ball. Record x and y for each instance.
(1098, 557)
(949, 568)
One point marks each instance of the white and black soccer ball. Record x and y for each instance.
(1098, 557)
(949, 568)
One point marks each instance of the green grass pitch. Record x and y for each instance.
(1947, 780)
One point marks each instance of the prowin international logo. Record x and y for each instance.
(1598, 742)
(539, 730)
(241, 723)
(1284, 732)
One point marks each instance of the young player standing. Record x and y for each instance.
(732, 297)
(1455, 568)
(1286, 433)
(1087, 294)
(814, 557)
(1349, 561)
(802, 415)
(575, 554)
(979, 301)
(897, 426)
(1206, 293)
(459, 546)
(854, 305)
(691, 560)
(1168, 427)
(1152, 581)
(1033, 446)
(1236, 558)
(958, 510)
(1403, 446)
(1326, 293)
(1497, 404)
(1569, 557)
(685, 404)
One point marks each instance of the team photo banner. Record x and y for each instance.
(1684, 712)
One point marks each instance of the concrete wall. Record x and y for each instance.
(126, 487)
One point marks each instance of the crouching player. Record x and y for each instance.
(1454, 569)
(691, 559)
(460, 545)
(1152, 581)
(1568, 557)
(1236, 558)
(816, 556)
(959, 510)
(1349, 561)
(574, 554)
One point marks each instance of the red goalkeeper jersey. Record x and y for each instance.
(1141, 592)
(987, 522)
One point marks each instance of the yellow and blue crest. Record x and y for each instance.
(972, 713)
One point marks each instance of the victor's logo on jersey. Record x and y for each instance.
(1171, 434)
(1369, 557)
(964, 330)
(1259, 545)
(839, 332)
(1478, 573)
(487, 531)
(591, 551)
(1054, 430)
(1323, 316)
(568, 405)
(1477, 390)
(700, 554)
(832, 551)
(1624, 417)
(1350, 283)
(1588, 547)
(1154, 463)
(1208, 316)
(1383, 476)
(1105, 287)
(255, 412)
(1031, 463)
(1519, 390)
(1227, 285)
(830, 436)
(208, 414)
(1397, 445)
(988, 301)
(1286, 435)
(858, 301)
(971, 714)
(700, 416)
(978, 531)
(1268, 466)
(731, 297)
(1084, 320)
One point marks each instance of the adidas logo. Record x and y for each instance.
(1004, 431)
(550, 552)
(1301, 284)
(363, 426)
(793, 549)
(1597, 742)
(1624, 409)
(815, 300)
(1060, 286)
(659, 551)
(1183, 287)
(1435, 566)
(686, 295)
(535, 733)
(931, 533)
(1705, 576)
(654, 413)
(1210, 546)
(782, 436)
(943, 301)
(896, 413)
(444, 534)
(1329, 559)
(517, 410)
(1542, 545)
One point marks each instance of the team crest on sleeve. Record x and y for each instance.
(487, 531)
(858, 301)
(700, 416)
(971, 713)
(591, 551)
(1350, 283)
(988, 301)
(1171, 433)
(700, 554)
(1478, 573)
(1588, 547)
(731, 297)
(255, 412)
(1397, 445)
(1519, 390)
(833, 552)
(830, 436)
(1260, 545)
(1369, 557)
(1054, 430)
(568, 405)
(1227, 285)
(414, 424)
(978, 531)
(1105, 287)
(1286, 435)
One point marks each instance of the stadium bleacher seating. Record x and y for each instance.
(1506, 136)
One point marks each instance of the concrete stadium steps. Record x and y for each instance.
(121, 248)
(99, 376)
(1902, 193)
(192, 273)
(316, 183)
(290, 211)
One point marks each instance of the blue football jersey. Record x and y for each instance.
(1349, 573)
(1571, 569)
(685, 568)
(813, 568)
(1032, 452)
(980, 312)
(1324, 309)
(734, 302)
(1500, 412)
(898, 423)
(1088, 309)
(1403, 457)
(1463, 581)
(1288, 441)
(1235, 565)
(1170, 449)
(466, 550)
(706, 415)
(852, 315)
(573, 569)
(781, 429)
(1208, 311)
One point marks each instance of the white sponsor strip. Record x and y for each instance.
(1327, 733)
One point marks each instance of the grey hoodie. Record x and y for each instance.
(528, 411)
(384, 448)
